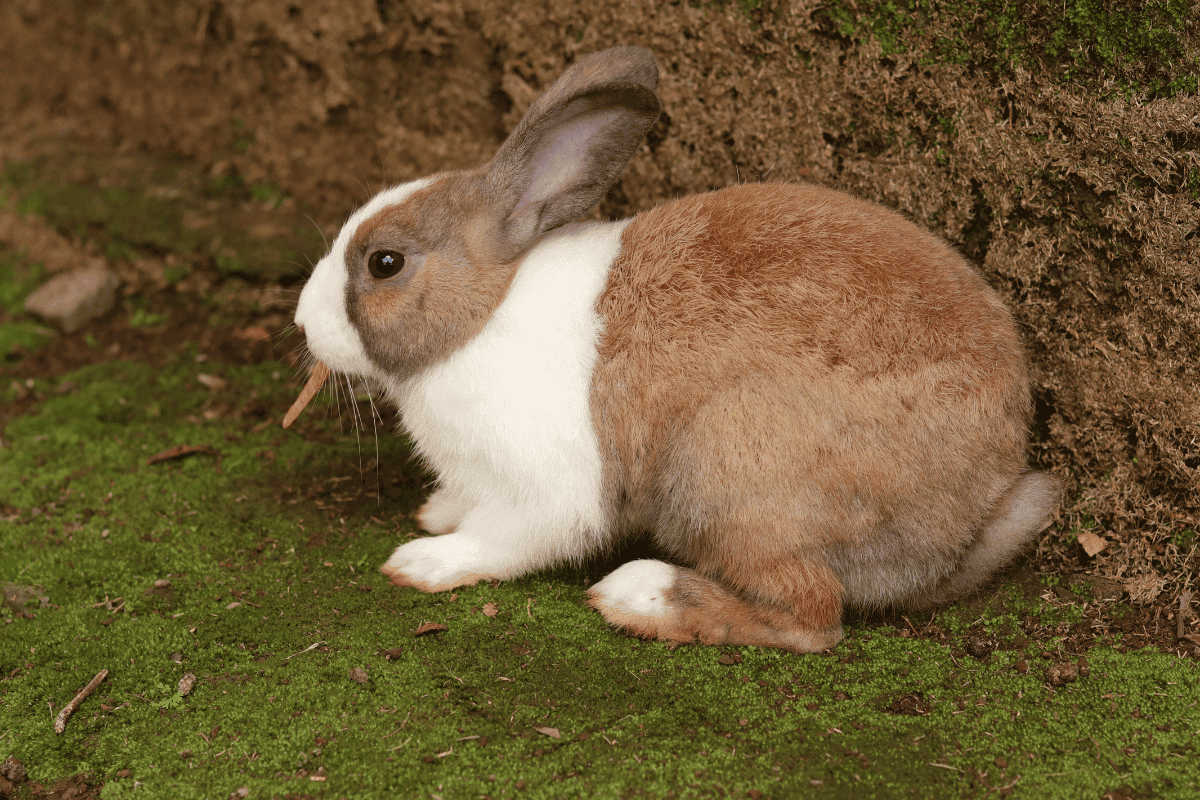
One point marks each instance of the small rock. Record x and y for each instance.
(978, 647)
(13, 770)
(161, 583)
(187, 683)
(73, 299)
(1062, 674)
(215, 383)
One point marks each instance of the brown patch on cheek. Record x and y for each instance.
(381, 305)
(450, 293)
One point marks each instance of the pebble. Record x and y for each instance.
(73, 299)
(1062, 674)
(978, 647)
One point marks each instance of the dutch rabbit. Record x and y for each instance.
(808, 401)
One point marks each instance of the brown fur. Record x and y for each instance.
(806, 398)
(705, 611)
(455, 274)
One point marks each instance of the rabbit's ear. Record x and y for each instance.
(573, 142)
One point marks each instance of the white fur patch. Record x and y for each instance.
(637, 588)
(505, 421)
(322, 307)
(439, 563)
(443, 511)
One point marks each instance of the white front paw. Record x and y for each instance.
(436, 565)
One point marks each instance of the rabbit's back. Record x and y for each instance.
(786, 371)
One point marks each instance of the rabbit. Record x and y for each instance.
(808, 402)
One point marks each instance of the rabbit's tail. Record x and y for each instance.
(1024, 511)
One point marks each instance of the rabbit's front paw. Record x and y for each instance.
(436, 565)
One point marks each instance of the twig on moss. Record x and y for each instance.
(305, 650)
(1185, 603)
(60, 724)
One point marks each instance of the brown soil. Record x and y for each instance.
(1077, 208)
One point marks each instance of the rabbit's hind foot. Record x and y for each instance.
(655, 600)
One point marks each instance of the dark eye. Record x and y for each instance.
(385, 263)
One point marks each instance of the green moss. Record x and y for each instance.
(1141, 46)
(274, 603)
(24, 334)
(19, 277)
(133, 222)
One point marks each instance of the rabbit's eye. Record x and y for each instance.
(385, 263)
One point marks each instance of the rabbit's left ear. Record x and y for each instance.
(573, 142)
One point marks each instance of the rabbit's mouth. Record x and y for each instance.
(316, 379)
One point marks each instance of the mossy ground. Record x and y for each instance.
(313, 682)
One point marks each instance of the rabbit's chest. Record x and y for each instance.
(515, 399)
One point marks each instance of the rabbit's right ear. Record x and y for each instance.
(573, 142)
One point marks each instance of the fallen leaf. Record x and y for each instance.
(392, 653)
(1091, 543)
(551, 732)
(358, 675)
(180, 451)
(430, 627)
(489, 609)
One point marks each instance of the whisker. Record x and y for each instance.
(304, 269)
(375, 416)
(318, 227)
(357, 419)
(283, 332)
(336, 398)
